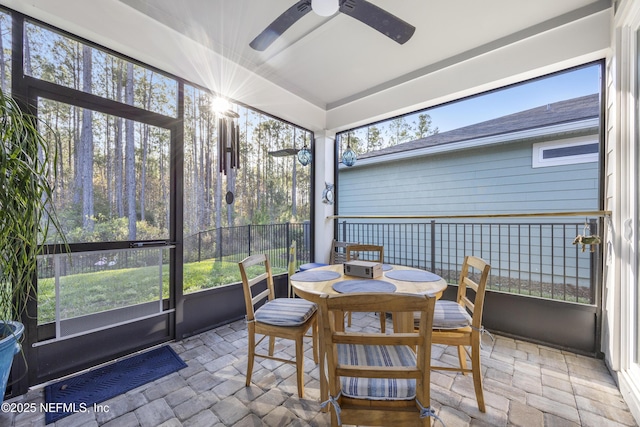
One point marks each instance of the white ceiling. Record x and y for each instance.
(336, 73)
(333, 61)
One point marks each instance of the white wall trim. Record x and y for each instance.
(539, 148)
(324, 172)
(630, 390)
(621, 299)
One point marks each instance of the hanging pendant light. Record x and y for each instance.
(325, 7)
(304, 155)
(349, 156)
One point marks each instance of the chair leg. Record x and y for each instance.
(315, 345)
(251, 339)
(477, 374)
(272, 345)
(300, 366)
(462, 357)
(383, 322)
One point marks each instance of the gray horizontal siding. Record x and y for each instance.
(480, 181)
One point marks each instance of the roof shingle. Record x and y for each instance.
(584, 107)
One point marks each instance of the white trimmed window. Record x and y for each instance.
(565, 152)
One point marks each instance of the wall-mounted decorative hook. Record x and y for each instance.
(586, 238)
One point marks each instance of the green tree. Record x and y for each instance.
(375, 141)
(424, 126)
(399, 131)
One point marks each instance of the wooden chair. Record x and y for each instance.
(366, 388)
(337, 255)
(339, 252)
(459, 323)
(291, 267)
(288, 318)
(373, 253)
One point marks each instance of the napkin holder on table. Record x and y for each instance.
(366, 269)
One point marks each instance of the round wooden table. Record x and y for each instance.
(311, 290)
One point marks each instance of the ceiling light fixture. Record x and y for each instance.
(325, 7)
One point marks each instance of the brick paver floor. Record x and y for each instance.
(525, 385)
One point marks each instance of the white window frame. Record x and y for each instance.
(623, 303)
(538, 160)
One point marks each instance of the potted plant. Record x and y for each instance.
(26, 216)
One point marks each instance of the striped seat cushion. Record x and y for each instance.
(285, 312)
(450, 315)
(377, 355)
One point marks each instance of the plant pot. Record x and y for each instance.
(9, 346)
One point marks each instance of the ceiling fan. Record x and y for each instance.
(378, 19)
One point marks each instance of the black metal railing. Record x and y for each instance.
(233, 244)
(99, 261)
(537, 259)
(531, 258)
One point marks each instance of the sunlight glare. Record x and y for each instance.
(215, 58)
(220, 105)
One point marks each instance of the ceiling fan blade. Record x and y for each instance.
(284, 152)
(280, 25)
(378, 19)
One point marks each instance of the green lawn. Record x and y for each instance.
(88, 293)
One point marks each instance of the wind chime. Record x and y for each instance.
(228, 142)
(228, 145)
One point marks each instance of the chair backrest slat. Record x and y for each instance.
(375, 372)
(377, 339)
(332, 307)
(259, 297)
(339, 252)
(251, 278)
(473, 266)
(291, 267)
(373, 253)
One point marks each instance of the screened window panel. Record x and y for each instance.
(112, 175)
(53, 57)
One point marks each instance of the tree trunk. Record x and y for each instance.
(294, 204)
(117, 151)
(194, 166)
(202, 196)
(129, 160)
(145, 154)
(3, 68)
(27, 56)
(86, 146)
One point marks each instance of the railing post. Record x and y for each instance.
(199, 245)
(249, 238)
(433, 245)
(288, 242)
(594, 262)
(344, 231)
